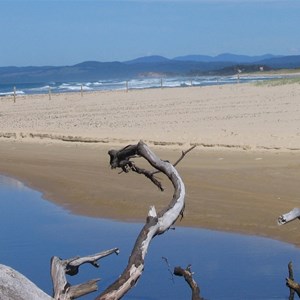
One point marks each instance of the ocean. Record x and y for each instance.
(115, 84)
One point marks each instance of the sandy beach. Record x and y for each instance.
(243, 174)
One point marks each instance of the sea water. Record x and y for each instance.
(133, 83)
(226, 266)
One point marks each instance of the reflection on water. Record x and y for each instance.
(227, 266)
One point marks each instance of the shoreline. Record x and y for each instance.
(241, 177)
(233, 191)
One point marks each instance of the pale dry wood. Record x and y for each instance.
(290, 282)
(62, 290)
(15, 286)
(156, 223)
(288, 217)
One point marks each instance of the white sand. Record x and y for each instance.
(241, 115)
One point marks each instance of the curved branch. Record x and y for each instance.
(188, 276)
(156, 223)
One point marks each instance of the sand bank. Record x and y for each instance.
(242, 190)
(238, 116)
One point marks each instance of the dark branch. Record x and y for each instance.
(183, 154)
(188, 276)
(293, 286)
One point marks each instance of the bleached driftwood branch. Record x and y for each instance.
(62, 290)
(156, 223)
(15, 286)
(188, 276)
(293, 285)
(288, 217)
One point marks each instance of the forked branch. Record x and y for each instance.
(62, 290)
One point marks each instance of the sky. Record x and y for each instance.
(66, 32)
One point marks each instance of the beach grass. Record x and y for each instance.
(279, 81)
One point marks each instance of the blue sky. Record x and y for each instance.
(66, 32)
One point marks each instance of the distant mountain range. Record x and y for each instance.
(189, 65)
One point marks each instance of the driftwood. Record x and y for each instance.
(290, 282)
(294, 287)
(188, 276)
(14, 285)
(156, 223)
(62, 290)
(288, 217)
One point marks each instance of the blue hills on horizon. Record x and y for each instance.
(224, 57)
(155, 65)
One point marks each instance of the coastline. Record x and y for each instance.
(241, 177)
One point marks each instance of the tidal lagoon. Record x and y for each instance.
(226, 266)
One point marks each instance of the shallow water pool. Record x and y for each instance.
(226, 266)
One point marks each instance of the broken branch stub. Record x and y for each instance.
(156, 223)
(288, 217)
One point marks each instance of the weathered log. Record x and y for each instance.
(188, 276)
(288, 217)
(15, 286)
(156, 223)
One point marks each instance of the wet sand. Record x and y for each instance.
(238, 191)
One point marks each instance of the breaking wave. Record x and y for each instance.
(135, 83)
